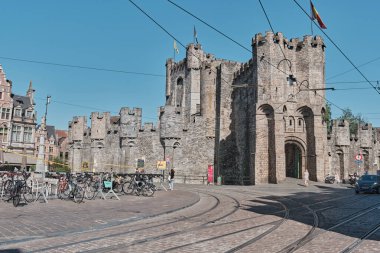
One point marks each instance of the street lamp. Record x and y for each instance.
(41, 162)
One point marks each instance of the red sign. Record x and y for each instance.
(210, 174)
(359, 157)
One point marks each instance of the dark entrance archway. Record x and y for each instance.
(293, 157)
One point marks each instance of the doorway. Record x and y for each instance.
(293, 156)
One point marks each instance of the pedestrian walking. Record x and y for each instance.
(306, 177)
(171, 179)
(337, 178)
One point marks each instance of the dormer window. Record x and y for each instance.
(18, 112)
(28, 114)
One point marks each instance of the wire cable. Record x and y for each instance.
(80, 67)
(337, 47)
(361, 65)
(212, 27)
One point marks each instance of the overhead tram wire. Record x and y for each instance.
(337, 47)
(86, 107)
(167, 32)
(212, 27)
(345, 72)
(81, 67)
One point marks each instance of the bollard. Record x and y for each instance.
(219, 180)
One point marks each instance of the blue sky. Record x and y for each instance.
(115, 35)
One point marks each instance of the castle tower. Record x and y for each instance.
(339, 155)
(99, 127)
(289, 106)
(130, 124)
(77, 128)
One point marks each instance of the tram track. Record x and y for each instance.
(219, 222)
(299, 242)
(312, 234)
(170, 234)
(147, 225)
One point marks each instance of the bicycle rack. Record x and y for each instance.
(111, 189)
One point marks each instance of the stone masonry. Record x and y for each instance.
(255, 122)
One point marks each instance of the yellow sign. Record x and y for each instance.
(85, 167)
(161, 165)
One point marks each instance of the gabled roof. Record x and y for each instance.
(61, 133)
(51, 132)
(22, 101)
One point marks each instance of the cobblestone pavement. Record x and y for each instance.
(287, 217)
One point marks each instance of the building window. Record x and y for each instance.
(4, 134)
(50, 149)
(61, 155)
(18, 112)
(5, 113)
(16, 134)
(28, 131)
(1, 95)
(38, 148)
(66, 155)
(28, 114)
(50, 157)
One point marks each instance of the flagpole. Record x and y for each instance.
(311, 18)
(311, 26)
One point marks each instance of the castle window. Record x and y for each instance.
(300, 122)
(290, 122)
(179, 92)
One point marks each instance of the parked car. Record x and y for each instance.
(329, 179)
(368, 183)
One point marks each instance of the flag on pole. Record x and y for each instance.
(195, 36)
(175, 47)
(315, 15)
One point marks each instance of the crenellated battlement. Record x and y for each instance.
(99, 124)
(292, 44)
(244, 70)
(77, 127)
(148, 126)
(178, 66)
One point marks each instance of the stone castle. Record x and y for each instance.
(255, 122)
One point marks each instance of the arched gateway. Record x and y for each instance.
(294, 159)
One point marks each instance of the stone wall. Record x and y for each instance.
(256, 122)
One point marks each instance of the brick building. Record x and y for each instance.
(256, 122)
(17, 125)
